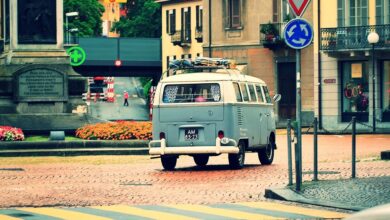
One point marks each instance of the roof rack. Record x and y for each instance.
(198, 65)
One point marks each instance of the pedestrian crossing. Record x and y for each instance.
(245, 210)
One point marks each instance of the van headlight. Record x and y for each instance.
(225, 140)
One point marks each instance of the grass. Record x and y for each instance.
(91, 160)
(46, 138)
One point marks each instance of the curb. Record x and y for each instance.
(288, 194)
(385, 155)
(73, 148)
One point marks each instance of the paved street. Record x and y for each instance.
(137, 109)
(138, 180)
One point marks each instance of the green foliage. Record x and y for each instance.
(143, 20)
(89, 21)
(269, 29)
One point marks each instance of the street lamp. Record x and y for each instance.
(69, 14)
(373, 38)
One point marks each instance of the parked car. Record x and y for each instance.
(212, 111)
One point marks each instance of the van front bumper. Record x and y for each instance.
(159, 147)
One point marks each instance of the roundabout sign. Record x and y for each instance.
(298, 33)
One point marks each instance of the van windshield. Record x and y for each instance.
(187, 93)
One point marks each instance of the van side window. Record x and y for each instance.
(237, 91)
(187, 93)
(245, 95)
(252, 93)
(259, 94)
(266, 93)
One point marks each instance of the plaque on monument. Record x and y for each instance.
(37, 22)
(41, 85)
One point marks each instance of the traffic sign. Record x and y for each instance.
(298, 33)
(298, 6)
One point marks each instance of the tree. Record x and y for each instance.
(143, 19)
(89, 21)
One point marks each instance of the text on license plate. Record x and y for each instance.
(191, 134)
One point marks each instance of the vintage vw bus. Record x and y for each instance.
(203, 114)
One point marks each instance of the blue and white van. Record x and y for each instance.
(203, 114)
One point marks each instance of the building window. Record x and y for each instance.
(386, 91)
(234, 13)
(354, 77)
(199, 18)
(1, 20)
(382, 12)
(7, 21)
(352, 12)
(171, 21)
(186, 24)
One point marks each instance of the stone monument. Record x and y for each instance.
(38, 87)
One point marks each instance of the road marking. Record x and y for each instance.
(6, 217)
(144, 213)
(221, 212)
(295, 209)
(62, 213)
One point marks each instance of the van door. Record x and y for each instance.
(269, 111)
(263, 119)
(254, 110)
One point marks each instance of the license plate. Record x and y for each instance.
(191, 134)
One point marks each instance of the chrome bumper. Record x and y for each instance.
(159, 147)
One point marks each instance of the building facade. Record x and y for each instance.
(354, 75)
(113, 10)
(182, 30)
(250, 31)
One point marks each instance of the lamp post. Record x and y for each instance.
(373, 38)
(69, 14)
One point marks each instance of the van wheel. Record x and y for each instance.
(236, 161)
(266, 155)
(168, 162)
(201, 160)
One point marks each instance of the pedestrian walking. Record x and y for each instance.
(125, 97)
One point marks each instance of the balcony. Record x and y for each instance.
(271, 35)
(199, 34)
(353, 38)
(181, 38)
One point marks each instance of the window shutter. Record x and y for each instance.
(189, 20)
(167, 17)
(197, 17)
(173, 22)
(182, 19)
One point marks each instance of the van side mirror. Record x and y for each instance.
(277, 97)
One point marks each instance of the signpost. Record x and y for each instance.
(298, 34)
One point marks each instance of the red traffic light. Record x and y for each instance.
(118, 63)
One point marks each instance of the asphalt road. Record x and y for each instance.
(111, 111)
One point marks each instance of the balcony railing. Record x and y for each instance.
(275, 39)
(353, 38)
(181, 38)
(199, 34)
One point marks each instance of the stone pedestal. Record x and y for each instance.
(36, 79)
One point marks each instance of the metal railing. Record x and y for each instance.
(71, 40)
(276, 38)
(199, 34)
(181, 37)
(354, 38)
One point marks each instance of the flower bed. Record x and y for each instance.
(8, 133)
(120, 130)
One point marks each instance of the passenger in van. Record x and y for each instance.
(200, 99)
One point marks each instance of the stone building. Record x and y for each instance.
(354, 74)
(250, 31)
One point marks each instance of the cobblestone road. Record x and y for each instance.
(137, 180)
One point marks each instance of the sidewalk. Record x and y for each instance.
(352, 194)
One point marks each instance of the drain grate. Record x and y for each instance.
(11, 169)
(324, 172)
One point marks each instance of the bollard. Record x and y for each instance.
(298, 165)
(315, 124)
(290, 182)
(353, 147)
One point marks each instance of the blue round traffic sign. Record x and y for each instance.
(298, 33)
